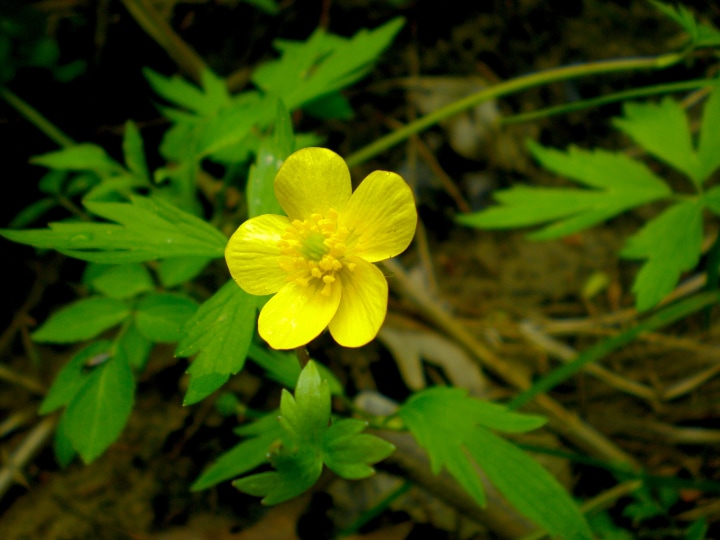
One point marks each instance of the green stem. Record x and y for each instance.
(612, 98)
(376, 510)
(508, 87)
(37, 119)
(303, 356)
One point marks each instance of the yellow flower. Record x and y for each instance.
(318, 259)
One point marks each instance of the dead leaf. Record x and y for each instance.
(410, 347)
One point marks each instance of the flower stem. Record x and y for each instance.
(303, 356)
(37, 119)
(508, 87)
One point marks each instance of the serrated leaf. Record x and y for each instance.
(701, 35)
(205, 101)
(220, 331)
(118, 281)
(323, 64)
(449, 425)
(99, 411)
(234, 123)
(621, 183)
(243, 457)
(160, 317)
(71, 378)
(296, 456)
(296, 472)
(134, 152)
(271, 154)
(441, 419)
(306, 415)
(80, 157)
(81, 320)
(671, 243)
(709, 143)
(146, 229)
(308, 440)
(662, 130)
(350, 453)
(528, 486)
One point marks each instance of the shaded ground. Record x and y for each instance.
(495, 284)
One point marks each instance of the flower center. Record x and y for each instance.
(314, 249)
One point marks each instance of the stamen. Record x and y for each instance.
(314, 249)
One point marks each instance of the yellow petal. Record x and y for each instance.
(296, 315)
(311, 181)
(363, 304)
(381, 217)
(252, 254)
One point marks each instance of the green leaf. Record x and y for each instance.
(243, 457)
(297, 471)
(323, 64)
(178, 270)
(113, 188)
(62, 446)
(268, 6)
(528, 486)
(452, 428)
(712, 200)
(350, 453)
(99, 411)
(307, 441)
(32, 212)
(306, 415)
(134, 152)
(451, 418)
(271, 154)
(160, 317)
(233, 124)
(709, 143)
(283, 367)
(701, 35)
(147, 229)
(74, 375)
(671, 244)
(620, 184)
(118, 281)
(136, 347)
(81, 157)
(297, 456)
(202, 385)
(697, 530)
(662, 130)
(81, 320)
(330, 106)
(220, 331)
(52, 182)
(206, 101)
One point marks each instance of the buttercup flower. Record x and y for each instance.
(318, 259)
